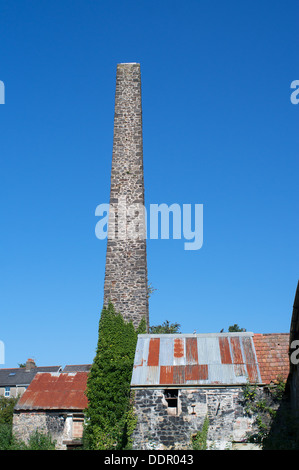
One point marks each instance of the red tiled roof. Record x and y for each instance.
(55, 391)
(272, 354)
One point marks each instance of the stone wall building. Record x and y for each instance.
(54, 404)
(126, 265)
(179, 380)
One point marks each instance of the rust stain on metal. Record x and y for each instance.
(191, 351)
(178, 374)
(239, 370)
(178, 347)
(224, 350)
(252, 373)
(215, 359)
(153, 353)
(196, 372)
(236, 350)
(166, 374)
(248, 351)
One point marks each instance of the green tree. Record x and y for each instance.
(6, 415)
(6, 409)
(165, 328)
(109, 412)
(236, 328)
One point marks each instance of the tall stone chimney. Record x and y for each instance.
(126, 284)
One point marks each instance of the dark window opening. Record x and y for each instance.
(171, 396)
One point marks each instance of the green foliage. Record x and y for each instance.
(40, 441)
(235, 328)
(109, 413)
(199, 440)
(6, 409)
(276, 426)
(165, 328)
(131, 422)
(7, 440)
(5, 436)
(37, 441)
(249, 395)
(141, 329)
(150, 290)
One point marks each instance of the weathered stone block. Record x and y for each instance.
(159, 429)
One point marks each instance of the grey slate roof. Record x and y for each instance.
(77, 368)
(19, 376)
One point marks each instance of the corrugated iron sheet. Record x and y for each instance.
(223, 358)
(55, 391)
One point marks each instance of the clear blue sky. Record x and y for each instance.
(219, 130)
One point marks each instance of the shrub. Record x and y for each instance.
(6, 409)
(40, 441)
(109, 412)
(199, 440)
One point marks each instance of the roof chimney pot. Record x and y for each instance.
(30, 364)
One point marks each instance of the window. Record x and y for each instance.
(171, 397)
(7, 392)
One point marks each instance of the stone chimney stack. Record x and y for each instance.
(126, 264)
(30, 364)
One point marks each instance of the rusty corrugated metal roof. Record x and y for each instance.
(55, 391)
(195, 359)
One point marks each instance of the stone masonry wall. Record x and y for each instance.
(158, 428)
(57, 424)
(126, 266)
